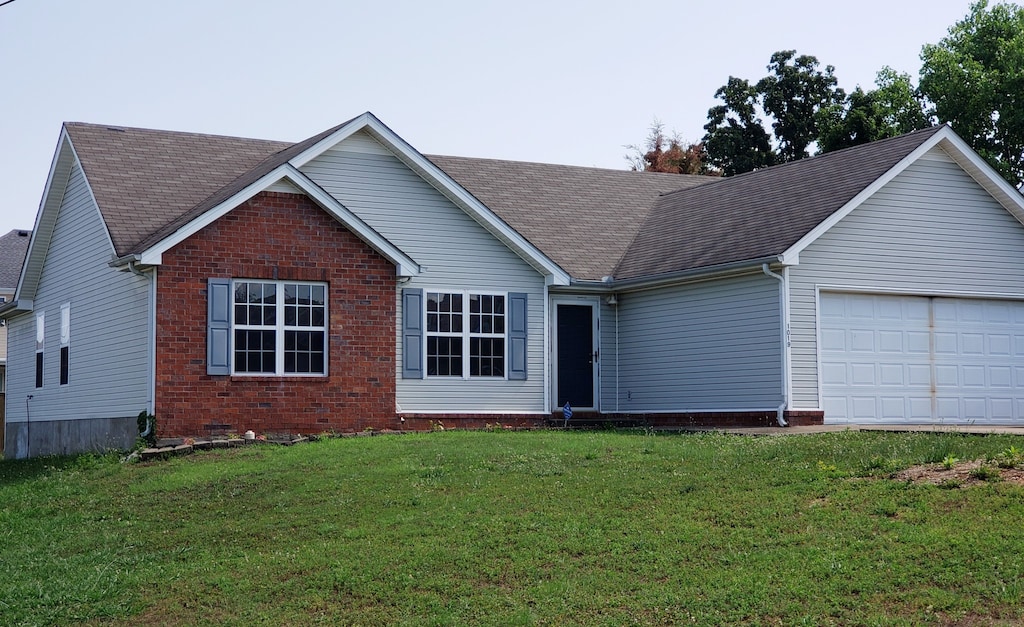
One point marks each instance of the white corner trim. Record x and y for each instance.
(405, 265)
(448, 186)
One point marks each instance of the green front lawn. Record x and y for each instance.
(516, 528)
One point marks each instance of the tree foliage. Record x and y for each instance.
(792, 96)
(974, 78)
(736, 141)
(894, 107)
(667, 154)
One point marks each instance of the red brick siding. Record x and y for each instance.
(277, 236)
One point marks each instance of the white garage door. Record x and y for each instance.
(911, 359)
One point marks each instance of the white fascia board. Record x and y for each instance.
(404, 265)
(49, 205)
(791, 256)
(985, 175)
(554, 275)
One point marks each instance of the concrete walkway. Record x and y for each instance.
(975, 429)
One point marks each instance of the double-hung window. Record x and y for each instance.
(465, 334)
(279, 328)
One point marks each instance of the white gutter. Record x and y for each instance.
(783, 324)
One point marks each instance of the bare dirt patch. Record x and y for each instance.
(961, 474)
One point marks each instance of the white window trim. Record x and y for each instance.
(465, 335)
(279, 330)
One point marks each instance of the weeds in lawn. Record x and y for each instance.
(985, 473)
(949, 461)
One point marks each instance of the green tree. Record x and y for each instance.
(894, 107)
(974, 78)
(793, 94)
(736, 141)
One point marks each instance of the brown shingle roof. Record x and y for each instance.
(144, 180)
(12, 255)
(592, 222)
(583, 218)
(758, 214)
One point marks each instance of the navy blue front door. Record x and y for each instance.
(575, 329)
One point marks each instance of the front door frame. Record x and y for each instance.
(594, 303)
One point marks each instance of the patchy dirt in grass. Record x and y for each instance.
(962, 474)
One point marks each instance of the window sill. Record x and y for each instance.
(264, 378)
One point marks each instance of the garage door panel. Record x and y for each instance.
(890, 342)
(919, 409)
(999, 344)
(946, 376)
(862, 340)
(919, 375)
(891, 374)
(835, 340)
(1001, 409)
(862, 374)
(973, 377)
(889, 358)
(918, 342)
(864, 408)
(1000, 377)
(945, 343)
(972, 344)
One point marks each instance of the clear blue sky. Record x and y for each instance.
(549, 81)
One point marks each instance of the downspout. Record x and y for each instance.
(616, 356)
(151, 349)
(781, 415)
(28, 427)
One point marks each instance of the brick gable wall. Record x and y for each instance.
(277, 236)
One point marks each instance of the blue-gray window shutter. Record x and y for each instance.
(412, 333)
(218, 326)
(517, 336)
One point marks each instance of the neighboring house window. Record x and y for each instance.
(65, 341)
(40, 336)
(279, 327)
(465, 334)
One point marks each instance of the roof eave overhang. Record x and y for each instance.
(63, 161)
(449, 187)
(668, 279)
(405, 266)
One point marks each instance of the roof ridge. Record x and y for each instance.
(142, 129)
(567, 165)
(875, 144)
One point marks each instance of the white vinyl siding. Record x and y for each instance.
(713, 345)
(109, 369)
(932, 230)
(456, 254)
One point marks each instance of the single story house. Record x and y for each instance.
(348, 281)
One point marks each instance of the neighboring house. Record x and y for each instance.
(12, 253)
(348, 281)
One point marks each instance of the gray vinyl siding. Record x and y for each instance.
(931, 230)
(108, 365)
(455, 253)
(714, 345)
